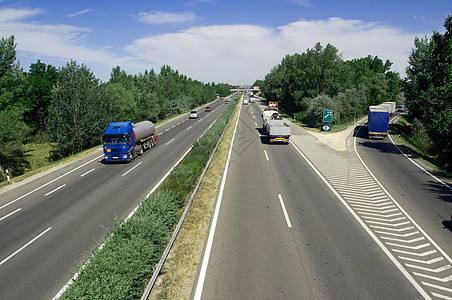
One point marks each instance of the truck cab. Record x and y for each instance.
(118, 140)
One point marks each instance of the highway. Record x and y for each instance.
(50, 223)
(304, 221)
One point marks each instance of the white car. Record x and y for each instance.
(194, 114)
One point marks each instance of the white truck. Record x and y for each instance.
(275, 127)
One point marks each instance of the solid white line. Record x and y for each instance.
(132, 168)
(266, 156)
(10, 214)
(207, 252)
(372, 235)
(52, 191)
(400, 207)
(66, 286)
(88, 172)
(285, 211)
(24, 246)
(188, 128)
(59, 177)
(417, 165)
(169, 142)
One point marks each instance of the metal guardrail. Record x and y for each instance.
(159, 265)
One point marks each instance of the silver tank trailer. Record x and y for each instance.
(143, 130)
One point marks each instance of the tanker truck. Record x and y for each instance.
(123, 141)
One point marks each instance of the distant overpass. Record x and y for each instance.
(246, 90)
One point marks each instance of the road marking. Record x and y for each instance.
(173, 126)
(169, 142)
(132, 169)
(52, 191)
(25, 246)
(88, 172)
(417, 165)
(160, 133)
(59, 177)
(285, 211)
(266, 156)
(10, 214)
(178, 123)
(213, 226)
(188, 128)
(354, 213)
(167, 129)
(255, 123)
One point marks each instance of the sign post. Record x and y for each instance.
(327, 118)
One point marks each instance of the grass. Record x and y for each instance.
(122, 268)
(400, 132)
(179, 270)
(37, 154)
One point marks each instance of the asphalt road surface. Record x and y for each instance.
(282, 233)
(50, 223)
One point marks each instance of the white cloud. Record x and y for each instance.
(243, 53)
(78, 13)
(160, 17)
(57, 44)
(236, 54)
(10, 14)
(305, 3)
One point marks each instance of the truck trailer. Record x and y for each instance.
(378, 121)
(123, 141)
(275, 127)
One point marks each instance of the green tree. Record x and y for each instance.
(13, 133)
(38, 94)
(429, 89)
(78, 112)
(7, 54)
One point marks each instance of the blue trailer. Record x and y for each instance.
(378, 121)
(123, 141)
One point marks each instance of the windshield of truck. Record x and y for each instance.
(115, 139)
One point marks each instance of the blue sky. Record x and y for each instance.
(230, 41)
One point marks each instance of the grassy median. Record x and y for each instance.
(122, 267)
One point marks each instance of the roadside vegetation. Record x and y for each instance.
(124, 265)
(68, 108)
(318, 79)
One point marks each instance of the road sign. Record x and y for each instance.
(326, 127)
(327, 115)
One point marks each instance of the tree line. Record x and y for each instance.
(70, 108)
(306, 84)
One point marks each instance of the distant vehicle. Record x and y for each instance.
(123, 141)
(273, 104)
(208, 108)
(194, 114)
(378, 121)
(245, 101)
(227, 101)
(401, 108)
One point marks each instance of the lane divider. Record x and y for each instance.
(24, 246)
(285, 211)
(54, 190)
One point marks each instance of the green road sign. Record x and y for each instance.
(326, 127)
(327, 115)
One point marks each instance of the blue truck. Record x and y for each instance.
(123, 141)
(378, 121)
